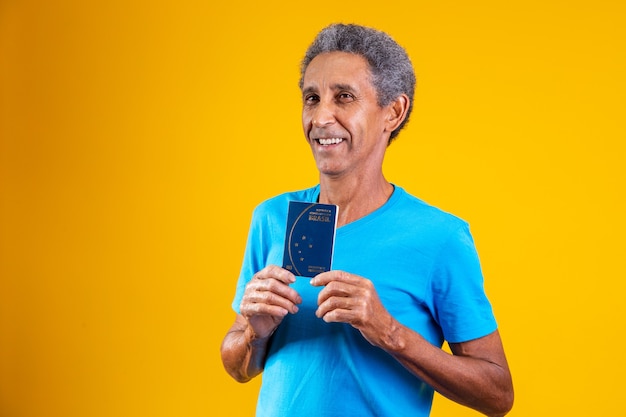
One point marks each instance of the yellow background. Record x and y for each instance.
(137, 136)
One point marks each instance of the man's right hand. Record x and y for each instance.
(267, 299)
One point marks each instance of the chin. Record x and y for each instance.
(327, 172)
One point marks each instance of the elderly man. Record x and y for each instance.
(364, 339)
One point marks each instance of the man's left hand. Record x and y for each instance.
(352, 299)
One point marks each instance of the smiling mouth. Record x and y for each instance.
(329, 141)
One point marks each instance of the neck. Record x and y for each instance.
(356, 197)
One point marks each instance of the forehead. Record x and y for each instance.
(336, 68)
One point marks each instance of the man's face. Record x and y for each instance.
(342, 121)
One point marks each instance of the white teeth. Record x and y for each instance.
(330, 141)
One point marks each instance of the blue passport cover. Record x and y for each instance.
(309, 238)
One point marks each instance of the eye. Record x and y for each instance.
(311, 99)
(345, 97)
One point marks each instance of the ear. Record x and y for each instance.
(398, 109)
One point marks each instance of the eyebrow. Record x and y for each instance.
(308, 90)
(333, 87)
(347, 87)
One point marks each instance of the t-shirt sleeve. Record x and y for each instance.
(461, 306)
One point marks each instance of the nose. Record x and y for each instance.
(323, 115)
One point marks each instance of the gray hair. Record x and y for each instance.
(390, 66)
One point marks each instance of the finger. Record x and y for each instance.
(337, 289)
(269, 296)
(268, 287)
(326, 277)
(344, 310)
(329, 304)
(284, 297)
(251, 309)
(333, 300)
(337, 316)
(323, 279)
(277, 273)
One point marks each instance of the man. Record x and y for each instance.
(364, 339)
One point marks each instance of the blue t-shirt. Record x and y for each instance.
(423, 264)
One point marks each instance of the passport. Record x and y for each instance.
(309, 238)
